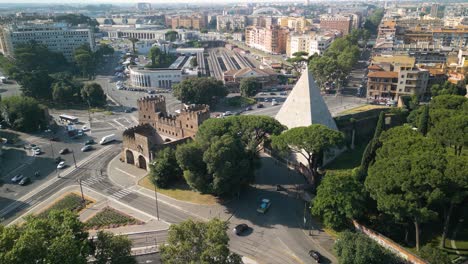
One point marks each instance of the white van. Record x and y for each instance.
(107, 139)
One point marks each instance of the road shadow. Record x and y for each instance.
(4, 203)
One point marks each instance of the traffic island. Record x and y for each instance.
(181, 192)
(110, 218)
(68, 201)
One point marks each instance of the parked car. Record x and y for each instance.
(64, 151)
(260, 106)
(283, 93)
(17, 178)
(37, 151)
(241, 228)
(85, 128)
(274, 102)
(248, 108)
(89, 142)
(55, 139)
(61, 165)
(264, 206)
(227, 113)
(87, 148)
(315, 255)
(58, 159)
(25, 181)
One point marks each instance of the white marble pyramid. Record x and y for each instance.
(305, 105)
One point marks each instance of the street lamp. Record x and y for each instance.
(156, 197)
(74, 160)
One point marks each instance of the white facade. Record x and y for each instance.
(142, 77)
(57, 37)
(309, 43)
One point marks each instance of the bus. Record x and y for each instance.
(68, 118)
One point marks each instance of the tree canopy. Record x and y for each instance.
(447, 88)
(93, 94)
(59, 238)
(340, 197)
(310, 142)
(249, 87)
(406, 178)
(198, 242)
(23, 113)
(164, 170)
(199, 90)
(85, 60)
(356, 248)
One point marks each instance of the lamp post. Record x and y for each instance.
(156, 197)
(74, 160)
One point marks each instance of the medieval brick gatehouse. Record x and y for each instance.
(157, 128)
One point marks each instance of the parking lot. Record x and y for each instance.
(19, 158)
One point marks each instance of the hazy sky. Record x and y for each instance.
(131, 1)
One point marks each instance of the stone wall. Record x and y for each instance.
(389, 244)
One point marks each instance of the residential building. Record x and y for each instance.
(390, 77)
(311, 43)
(272, 39)
(188, 22)
(297, 24)
(338, 22)
(57, 37)
(231, 23)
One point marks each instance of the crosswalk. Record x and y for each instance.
(89, 182)
(120, 194)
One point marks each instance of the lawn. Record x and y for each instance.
(239, 101)
(349, 159)
(362, 108)
(110, 218)
(181, 192)
(71, 201)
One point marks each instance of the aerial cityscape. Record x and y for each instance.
(229, 132)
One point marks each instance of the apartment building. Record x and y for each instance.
(393, 76)
(57, 37)
(231, 23)
(338, 22)
(189, 22)
(311, 43)
(449, 37)
(297, 24)
(272, 39)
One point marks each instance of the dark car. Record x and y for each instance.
(239, 229)
(25, 181)
(64, 151)
(89, 142)
(315, 255)
(127, 111)
(260, 106)
(55, 139)
(58, 160)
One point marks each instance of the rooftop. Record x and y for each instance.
(383, 74)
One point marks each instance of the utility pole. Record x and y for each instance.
(74, 160)
(81, 189)
(156, 197)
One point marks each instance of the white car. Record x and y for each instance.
(227, 113)
(37, 151)
(61, 165)
(274, 102)
(85, 128)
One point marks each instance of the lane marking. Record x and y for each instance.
(118, 169)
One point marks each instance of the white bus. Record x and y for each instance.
(68, 118)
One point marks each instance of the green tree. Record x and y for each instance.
(340, 197)
(434, 255)
(228, 164)
(171, 35)
(154, 55)
(102, 51)
(424, 121)
(249, 87)
(356, 248)
(111, 249)
(23, 113)
(190, 159)
(368, 156)
(452, 132)
(193, 62)
(65, 90)
(406, 178)
(32, 56)
(36, 84)
(198, 242)
(164, 170)
(85, 60)
(133, 41)
(199, 90)
(455, 188)
(310, 142)
(372, 22)
(93, 94)
(58, 238)
(447, 88)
